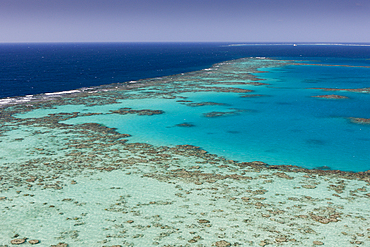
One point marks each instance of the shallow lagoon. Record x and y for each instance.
(286, 125)
(68, 174)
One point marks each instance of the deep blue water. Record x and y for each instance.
(41, 68)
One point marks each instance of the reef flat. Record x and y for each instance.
(69, 180)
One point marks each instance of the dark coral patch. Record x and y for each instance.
(204, 104)
(252, 95)
(354, 90)
(147, 112)
(358, 120)
(185, 125)
(214, 114)
(330, 96)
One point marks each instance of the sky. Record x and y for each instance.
(184, 21)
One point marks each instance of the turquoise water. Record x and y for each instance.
(285, 126)
(66, 178)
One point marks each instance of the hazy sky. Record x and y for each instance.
(184, 20)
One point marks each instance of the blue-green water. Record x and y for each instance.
(66, 178)
(285, 126)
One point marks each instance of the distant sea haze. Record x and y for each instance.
(28, 69)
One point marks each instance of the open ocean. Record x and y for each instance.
(44, 68)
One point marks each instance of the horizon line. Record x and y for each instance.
(189, 42)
